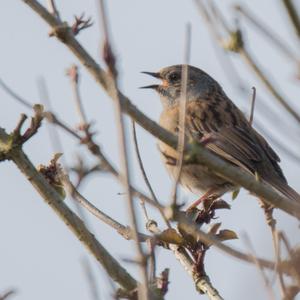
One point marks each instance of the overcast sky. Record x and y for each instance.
(39, 257)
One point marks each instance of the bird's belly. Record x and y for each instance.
(198, 180)
(194, 177)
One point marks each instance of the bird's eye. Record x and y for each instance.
(174, 77)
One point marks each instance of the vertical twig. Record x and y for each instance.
(55, 139)
(270, 86)
(141, 165)
(52, 9)
(277, 41)
(260, 268)
(57, 147)
(90, 279)
(278, 262)
(152, 261)
(182, 114)
(143, 290)
(53, 134)
(72, 72)
(252, 105)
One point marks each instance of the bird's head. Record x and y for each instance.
(198, 84)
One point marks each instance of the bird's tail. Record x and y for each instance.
(289, 192)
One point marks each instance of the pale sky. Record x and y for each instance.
(39, 256)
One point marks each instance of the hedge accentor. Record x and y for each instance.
(212, 117)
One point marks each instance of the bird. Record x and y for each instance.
(214, 121)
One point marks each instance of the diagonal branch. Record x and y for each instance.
(55, 201)
(293, 15)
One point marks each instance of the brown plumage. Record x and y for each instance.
(212, 117)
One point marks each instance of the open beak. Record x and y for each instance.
(153, 74)
(152, 86)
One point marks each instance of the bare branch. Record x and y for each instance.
(52, 8)
(55, 201)
(277, 41)
(124, 231)
(141, 165)
(8, 90)
(252, 105)
(73, 73)
(294, 17)
(245, 54)
(7, 294)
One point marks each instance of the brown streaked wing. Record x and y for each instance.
(234, 144)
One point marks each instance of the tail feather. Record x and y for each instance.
(286, 190)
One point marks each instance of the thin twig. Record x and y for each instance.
(52, 8)
(141, 165)
(245, 54)
(271, 222)
(7, 294)
(90, 279)
(278, 262)
(277, 41)
(252, 105)
(55, 139)
(124, 231)
(182, 115)
(109, 57)
(294, 268)
(72, 72)
(293, 14)
(8, 90)
(53, 134)
(260, 268)
(152, 261)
